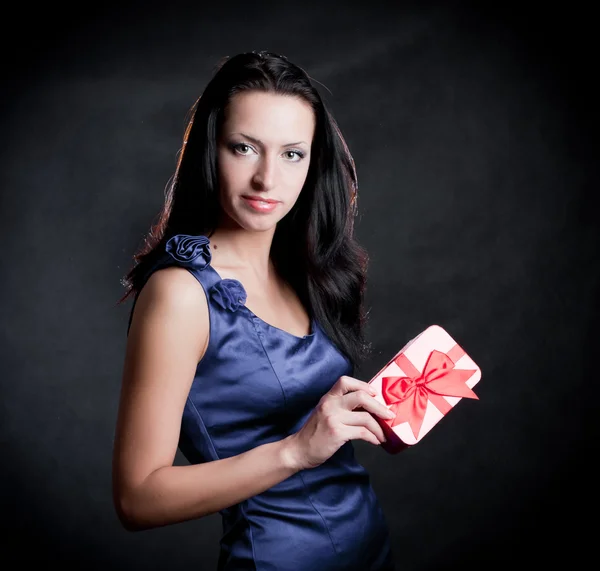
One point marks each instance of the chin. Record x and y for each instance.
(259, 223)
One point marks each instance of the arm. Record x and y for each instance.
(167, 338)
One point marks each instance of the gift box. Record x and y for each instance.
(421, 384)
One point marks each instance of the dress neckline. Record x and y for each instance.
(313, 322)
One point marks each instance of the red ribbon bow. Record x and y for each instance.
(408, 396)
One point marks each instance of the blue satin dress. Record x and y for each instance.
(255, 384)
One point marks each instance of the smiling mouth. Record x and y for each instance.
(262, 200)
(259, 205)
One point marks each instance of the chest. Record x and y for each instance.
(274, 302)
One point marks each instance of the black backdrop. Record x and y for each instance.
(474, 134)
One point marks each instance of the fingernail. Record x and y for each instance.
(390, 414)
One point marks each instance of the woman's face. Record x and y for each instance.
(263, 157)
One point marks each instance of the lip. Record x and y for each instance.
(261, 205)
(250, 197)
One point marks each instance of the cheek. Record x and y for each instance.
(228, 176)
(300, 180)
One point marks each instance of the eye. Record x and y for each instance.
(235, 147)
(299, 154)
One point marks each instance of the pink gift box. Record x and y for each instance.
(421, 384)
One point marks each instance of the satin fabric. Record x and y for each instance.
(255, 384)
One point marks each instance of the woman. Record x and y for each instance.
(245, 330)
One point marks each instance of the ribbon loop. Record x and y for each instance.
(408, 395)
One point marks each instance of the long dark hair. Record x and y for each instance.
(313, 248)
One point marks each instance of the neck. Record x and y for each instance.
(244, 250)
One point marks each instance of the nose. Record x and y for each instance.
(264, 177)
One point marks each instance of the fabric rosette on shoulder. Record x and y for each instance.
(229, 294)
(193, 250)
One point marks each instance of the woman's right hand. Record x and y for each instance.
(335, 420)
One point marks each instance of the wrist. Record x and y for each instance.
(289, 454)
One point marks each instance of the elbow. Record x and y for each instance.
(128, 523)
(128, 516)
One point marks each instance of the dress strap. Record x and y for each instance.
(187, 251)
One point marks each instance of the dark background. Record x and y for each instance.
(474, 132)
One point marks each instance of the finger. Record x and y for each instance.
(358, 399)
(355, 418)
(362, 433)
(347, 384)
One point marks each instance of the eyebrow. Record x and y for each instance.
(259, 142)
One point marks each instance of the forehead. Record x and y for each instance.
(269, 115)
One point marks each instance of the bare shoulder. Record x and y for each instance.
(173, 301)
(173, 287)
